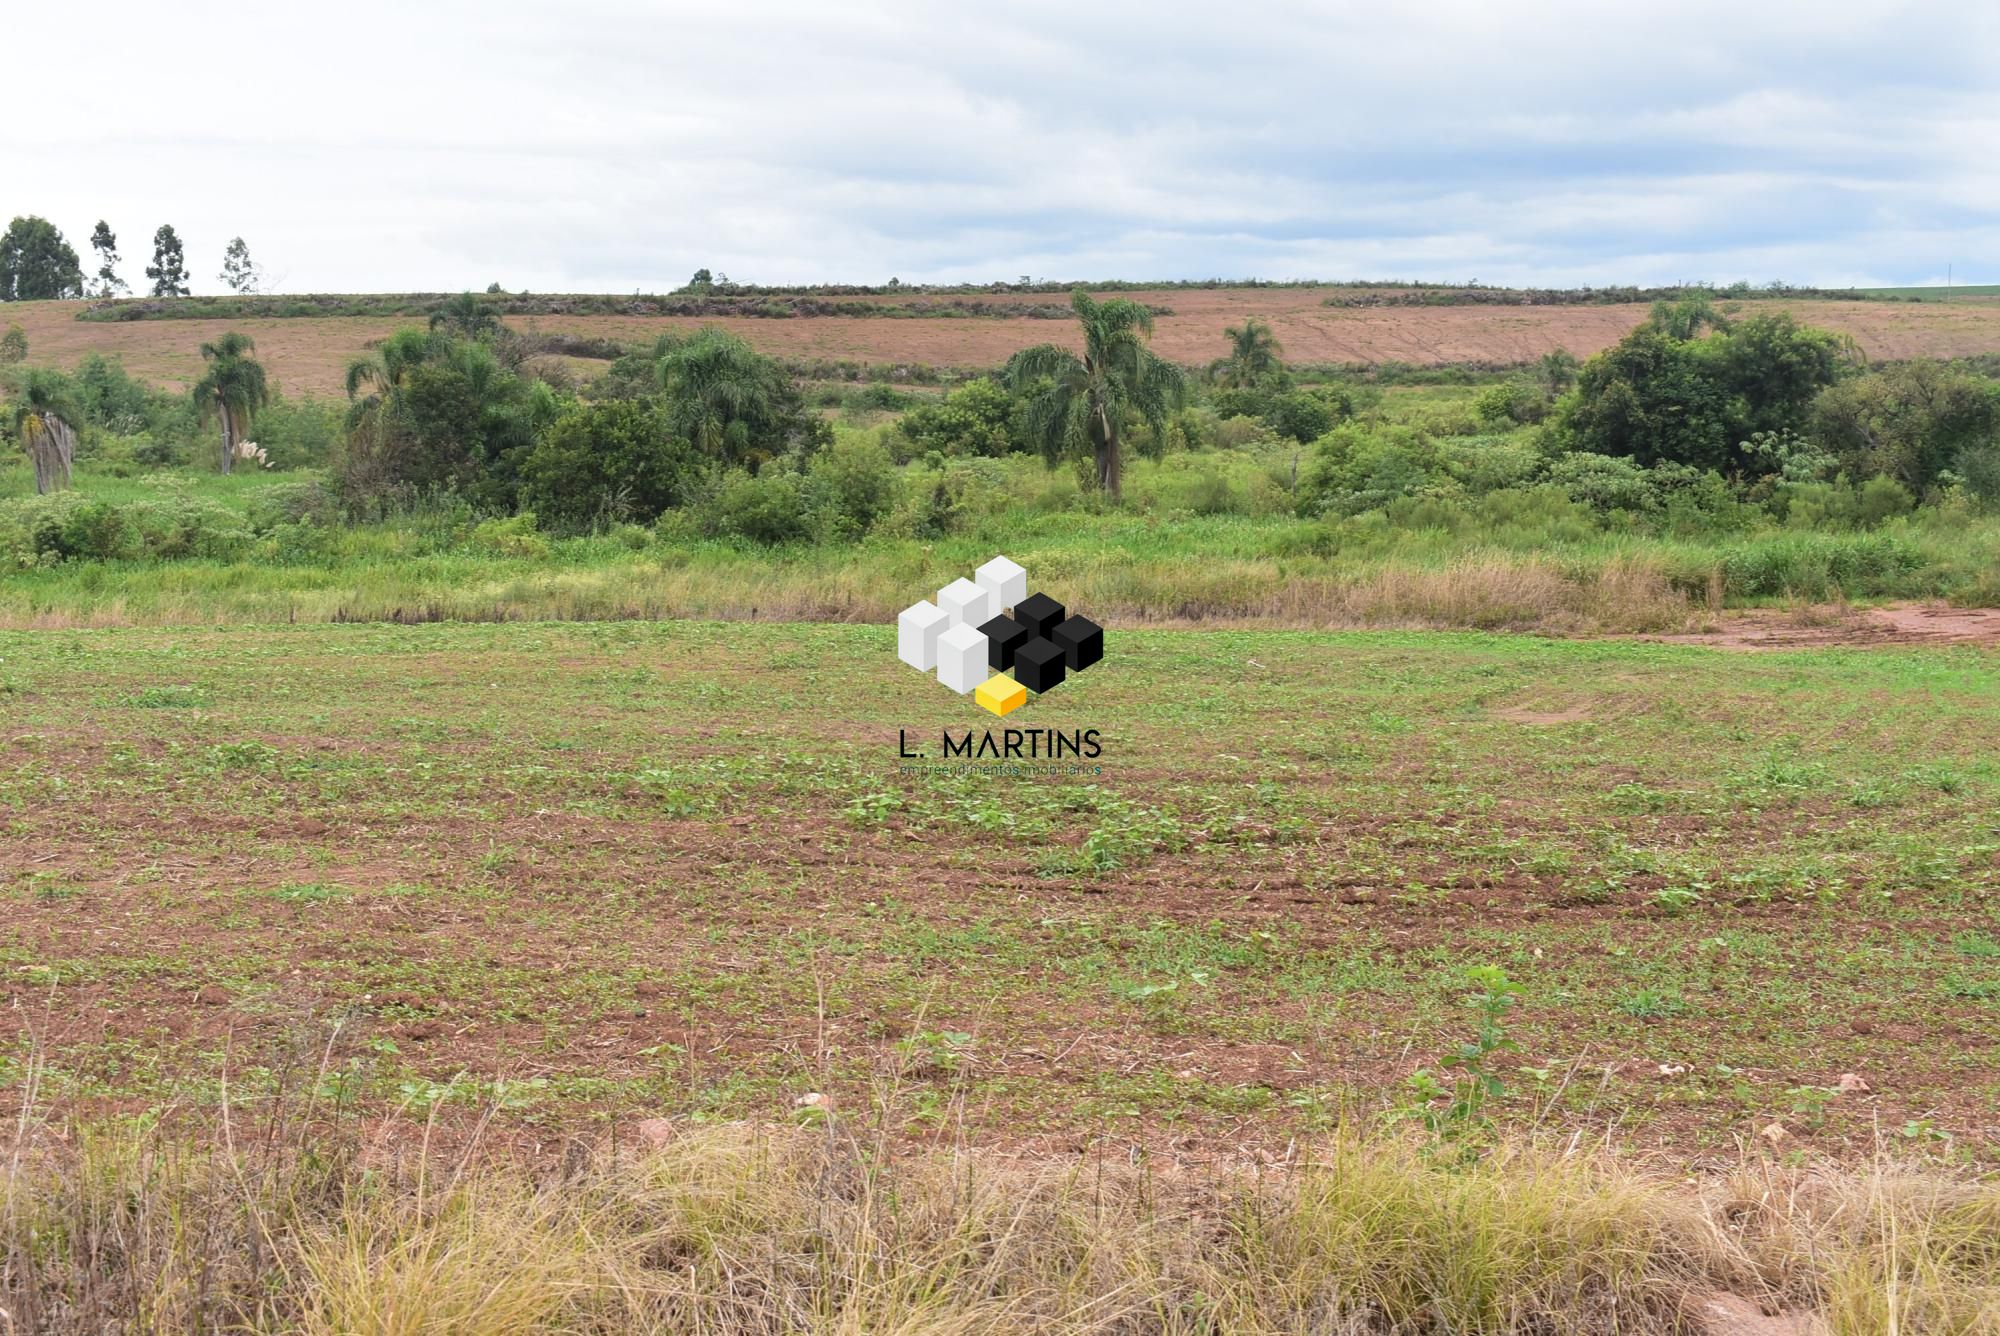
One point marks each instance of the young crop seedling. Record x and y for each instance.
(1463, 1120)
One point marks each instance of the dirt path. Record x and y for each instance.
(1820, 628)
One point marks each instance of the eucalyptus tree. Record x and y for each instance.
(105, 242)
(45, 417)
(240, 274)
(231, 389)
(169, 267)
(1085, 402)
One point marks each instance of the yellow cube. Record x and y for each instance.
(1000, 694)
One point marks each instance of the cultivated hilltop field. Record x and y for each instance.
(462, 873)
(311, 355)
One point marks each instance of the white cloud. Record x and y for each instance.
(613, 146)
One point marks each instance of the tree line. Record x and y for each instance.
(1698, 406)
(38, 264)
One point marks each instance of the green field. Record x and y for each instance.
(604, 872)
(1201, 539)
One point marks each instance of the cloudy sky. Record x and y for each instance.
(595, 145)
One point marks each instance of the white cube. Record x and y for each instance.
(917, 632)
(961, 658)
(1005, 581)
(968, 604)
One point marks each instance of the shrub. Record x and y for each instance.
(308, 500)
(1979, 469)
(298, 433)
(855, 485)
(768, 507)
(974, 419)
(67, 526)
(1307, 415)
(602, 463)
(300, 544)
(1605, 483)
(1510, 403)
(1357, 468)
(516, 536)
(1483, 464)
(1881, 500)
(879, 398)
(110, 398)
(1235, 433)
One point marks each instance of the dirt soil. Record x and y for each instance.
(673, 870)
(1818, 628)
(312, 354)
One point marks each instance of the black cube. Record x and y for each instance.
(1003, 635)
(1040, 614)
(1082, 642)
(1038, 664)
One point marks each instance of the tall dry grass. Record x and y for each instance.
(741, 1230)
(1620, 595)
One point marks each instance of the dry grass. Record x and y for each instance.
(1487, 592)
(738, 1230)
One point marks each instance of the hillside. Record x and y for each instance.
(310, 353)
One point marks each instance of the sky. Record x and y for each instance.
(615, 147)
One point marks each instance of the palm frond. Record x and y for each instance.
(1043, 361)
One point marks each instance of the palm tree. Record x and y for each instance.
(1253, 354)
(1685, 317)
(468, 316)
(1085, 401)
(44, 419)
(399, 354)
(233, 388)
(720, 394)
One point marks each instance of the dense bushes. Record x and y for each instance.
(430, 412)
(127, 428)
(1668, 393)
(836, 497)
(1913, 422)
(609, 462)
(1693, 428)
(44, 530)
(977, 418)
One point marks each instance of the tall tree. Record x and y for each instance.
(239, 272)
(1254, 355)
(169, 267)
(232, 388)
(45, 418)
(105, 242)
(36, 264)
(1084, 402)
